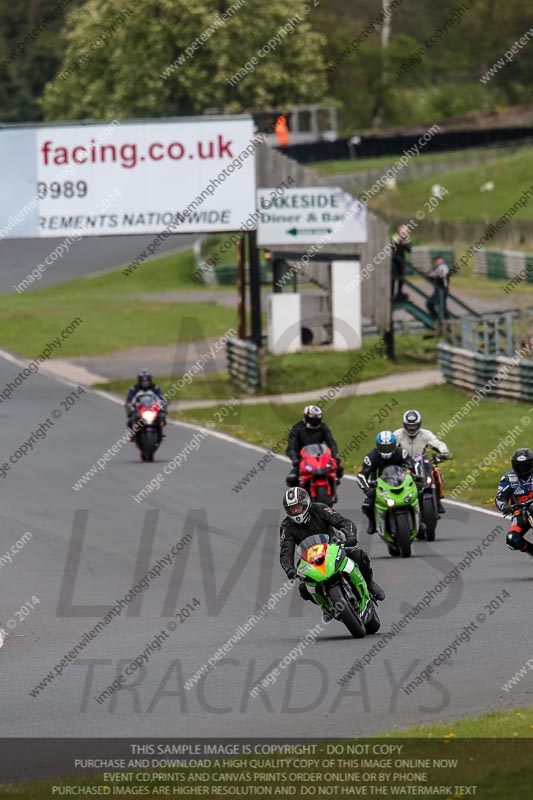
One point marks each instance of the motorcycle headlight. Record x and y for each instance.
(390, 502)
(408, 497)
(428, 480)
(148, 416)
(308, 468)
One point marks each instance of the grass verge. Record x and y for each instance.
(493, 725)
(114, 317)
(301, 372)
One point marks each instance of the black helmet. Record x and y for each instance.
(312, 416)
(522, 462)
(297, 504)
(144, 379)
(412, 420)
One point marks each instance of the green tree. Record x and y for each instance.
(25, 67)
(116, 57)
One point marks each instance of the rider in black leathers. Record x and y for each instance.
(386, 453)
(310, 430)
(145, 383)
(516, 487)
(304, 519)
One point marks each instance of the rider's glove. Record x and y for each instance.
(337, 536)
(291, 574)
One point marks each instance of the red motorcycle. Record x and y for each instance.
(147, 426)
(318, 473)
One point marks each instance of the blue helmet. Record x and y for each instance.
(386, 443)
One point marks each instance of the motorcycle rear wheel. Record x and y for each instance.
(429, 515)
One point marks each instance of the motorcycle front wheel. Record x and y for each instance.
(374, 623)
(148, 445)
(322, 495)
(403, 535)
(345, 613)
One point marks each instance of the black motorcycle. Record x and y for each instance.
(147, 425)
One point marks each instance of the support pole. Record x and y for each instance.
(255, 288)
(241, 291)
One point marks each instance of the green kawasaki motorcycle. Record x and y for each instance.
(336, 584)
(396, 508)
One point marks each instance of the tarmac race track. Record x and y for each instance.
(86, 256)
(230, 565)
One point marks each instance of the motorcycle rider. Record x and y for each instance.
(310, 430)
(145, 383)
(401, 246)
(415, 439)
(305, 518)
(515, 487)
(386, 453)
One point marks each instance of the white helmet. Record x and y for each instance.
(297, 504)
(412, 420)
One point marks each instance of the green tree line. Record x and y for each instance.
(97, 59)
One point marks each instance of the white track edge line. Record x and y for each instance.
(225, 437)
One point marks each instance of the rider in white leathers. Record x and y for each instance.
(415, 439)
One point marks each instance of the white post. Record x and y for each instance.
(284, 323)
(346, 305)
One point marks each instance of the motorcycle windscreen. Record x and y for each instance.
(393, 475)
(312, 546)
(146, 399)
(316, 450)
(423, 464)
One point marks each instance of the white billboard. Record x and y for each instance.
(188, 176)
(310, 215)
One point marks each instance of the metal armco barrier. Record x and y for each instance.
(501, 265)
(245, 364)
(473, 371)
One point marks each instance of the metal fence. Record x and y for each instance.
(490, 334)
(246, 364)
